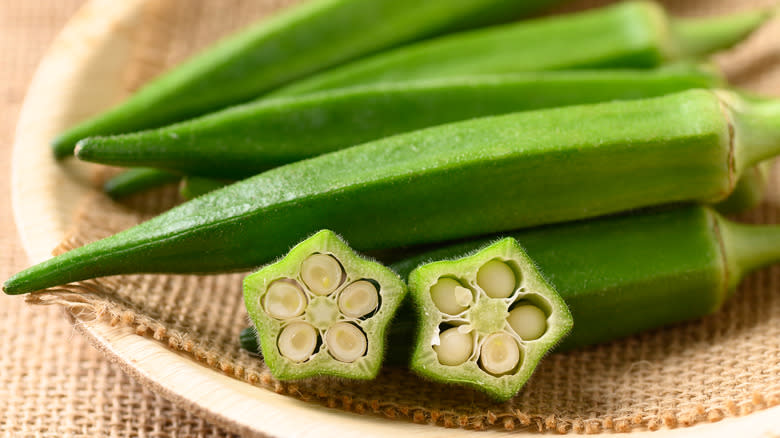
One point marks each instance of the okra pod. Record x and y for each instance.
(323, 310)
(451, 181)
(485, 320)
(192, 186)
(628, 34)
(137, 180)
(621, 275)
(294, 43)
(248, 139)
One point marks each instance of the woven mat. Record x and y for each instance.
(724, 365)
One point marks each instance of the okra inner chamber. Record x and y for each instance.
(322, 310)
(486, 319)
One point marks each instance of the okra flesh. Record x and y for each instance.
(246, 140)
(626, 35)
(297, 42)
(479, 346)
(310, 320)
(491, 174)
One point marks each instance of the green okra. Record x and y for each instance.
(485, 320)
(322, 310)
(193, 186)
(451, 181)
(248, 139)
(137, 180)
(749, 191)
(294, 43)
(629, 34)
(624, 274)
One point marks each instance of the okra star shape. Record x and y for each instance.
(323, 310)
(486, 320)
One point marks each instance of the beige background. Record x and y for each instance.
(52, 382)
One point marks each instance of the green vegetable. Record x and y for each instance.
(193, 186)
(624, 274)
(485, 320)
(137, 180)
(322, 310)
(629, 34)
(451, 181)
(295, 43)
(749, 191)
(248, 139)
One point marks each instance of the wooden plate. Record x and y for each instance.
(80, 75)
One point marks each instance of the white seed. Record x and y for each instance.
(500, 354)
(454, 347)
(358, 299)
(345, 341)
(529, 322)
(297, 341)
(322, 273)
(497, 279)
(450, 296)
(284, 299)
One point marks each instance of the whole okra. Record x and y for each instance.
(323, 310)
(628, 34)
(248, 139)
(294, 43)
(451, 181)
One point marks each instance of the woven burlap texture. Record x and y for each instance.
(724, 365)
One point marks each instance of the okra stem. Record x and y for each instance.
(747, 248)
(757, 128)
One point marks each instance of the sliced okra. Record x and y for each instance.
(322, 310)
(486, 320)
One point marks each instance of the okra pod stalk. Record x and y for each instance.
(137, 180)
(451, 181)
(292, 44)
(322, 310)
(485, 320)
(248, 139)
(624, 274)
(749, 191)
(629, 34)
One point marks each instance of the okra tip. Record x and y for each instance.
(699, 37)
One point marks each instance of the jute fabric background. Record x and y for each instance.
(52, 383)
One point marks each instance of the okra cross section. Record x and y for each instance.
(486, 320)
(322, 310)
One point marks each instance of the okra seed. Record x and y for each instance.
(454, 347)
(358, 299)
(450, 296)
(284, 299)
(297, 341)
(497, 279)
(346, 342)
(322, 273)
(528, 321)
(500, 354)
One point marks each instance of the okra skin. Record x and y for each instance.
(294, 43)
(447, 182)
(248, 139)
(485, 316)
(625, 35)
(323, 311)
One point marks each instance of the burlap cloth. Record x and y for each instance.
(702, 371)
